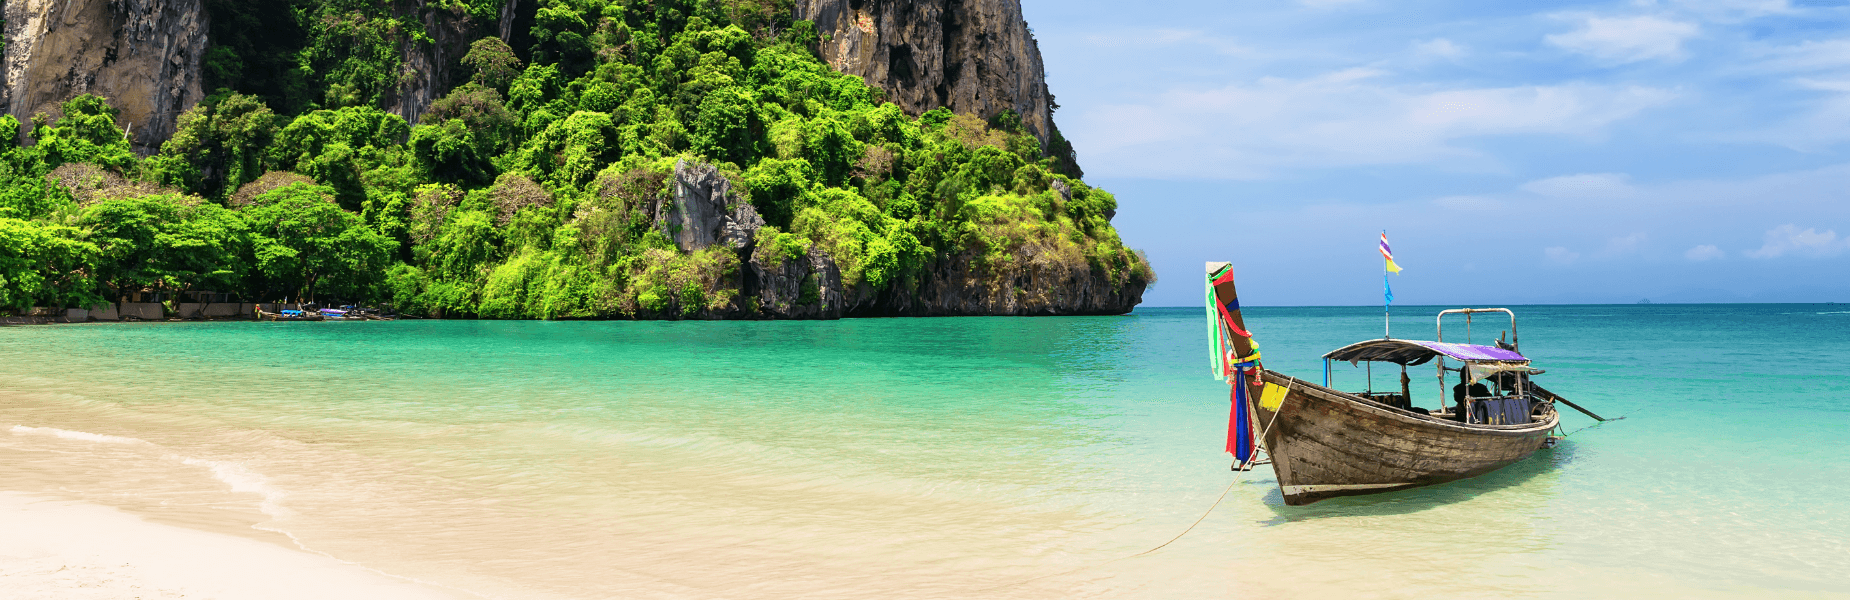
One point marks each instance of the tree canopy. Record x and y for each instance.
(520, 194)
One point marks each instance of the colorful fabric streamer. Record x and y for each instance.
(1228, 365)
(1239, 425)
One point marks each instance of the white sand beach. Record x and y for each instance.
(63, 550)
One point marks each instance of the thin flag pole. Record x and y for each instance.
(1387, 298)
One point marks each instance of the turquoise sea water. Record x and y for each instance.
(937, 458)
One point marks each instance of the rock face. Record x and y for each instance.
(144, 55)
(956, 286)
(705, 210)
(974, 56)
(433, 69)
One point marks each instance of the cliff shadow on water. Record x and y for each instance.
(554, 159)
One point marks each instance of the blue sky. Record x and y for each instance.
(1562, 152)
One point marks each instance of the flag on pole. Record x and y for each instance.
(1388, 253)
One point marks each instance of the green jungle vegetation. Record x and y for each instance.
(520, 194)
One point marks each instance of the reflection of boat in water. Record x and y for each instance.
(1323, 443)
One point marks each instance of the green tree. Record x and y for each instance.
(87, 133)
(337, 146)
(167, 242)
(494, 63)
(306, 247)
(353, 48)
(218, 146)
(45, 265)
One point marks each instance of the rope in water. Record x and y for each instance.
(1599, 423)
(1191, 526)
(1223, 495)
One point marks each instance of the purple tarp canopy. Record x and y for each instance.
(1474, 351)
(1417, 352)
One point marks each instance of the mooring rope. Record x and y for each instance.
(1223, 495)
(1599, 423)
(1191, 526)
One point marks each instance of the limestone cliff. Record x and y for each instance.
(973, 56)
(702, 210)
(143, 55)
(431, 69)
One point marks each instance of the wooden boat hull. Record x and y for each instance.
(1325, 443)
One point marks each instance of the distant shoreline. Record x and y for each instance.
(1417, 308)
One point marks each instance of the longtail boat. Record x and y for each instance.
(1324, 443)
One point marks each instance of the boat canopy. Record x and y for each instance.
(1418, 352)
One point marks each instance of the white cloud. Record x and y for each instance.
(1809, 55)
(1816, 76)
(1623, 245)
(1170, 37)
(1787, 239)
(1732, 11)
(1470, 203)
(1344, 118)
(1560, 255)
(1619, 40)
(1584, 185)
(1439, 48)
(1704, 252)
(1328, 3)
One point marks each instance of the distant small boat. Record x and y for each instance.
(1324, 443)
(289, 314)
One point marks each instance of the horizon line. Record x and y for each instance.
(1203, 306)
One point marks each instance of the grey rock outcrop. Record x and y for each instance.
(807, 287)
(144, 55)
(973, 56)
(957, 286)
(705, 210)
(432, 69)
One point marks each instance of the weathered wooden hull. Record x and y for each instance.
(1325, 443)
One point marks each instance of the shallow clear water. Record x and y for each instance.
(936, 458)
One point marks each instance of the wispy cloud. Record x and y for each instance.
(1620, 40)
(1344, 118)
(1584, 185)
(1560, 255)
(1328, 3)
(1733, 11)
(1814, 76)
(1439, 48)
(1171, 37)
(1624, 245)
(1788, 239)
(1704, 252)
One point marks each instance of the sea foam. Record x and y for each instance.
(77, 435)
(235, 474)
(243, 480)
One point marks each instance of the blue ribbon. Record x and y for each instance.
(1242, 435)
